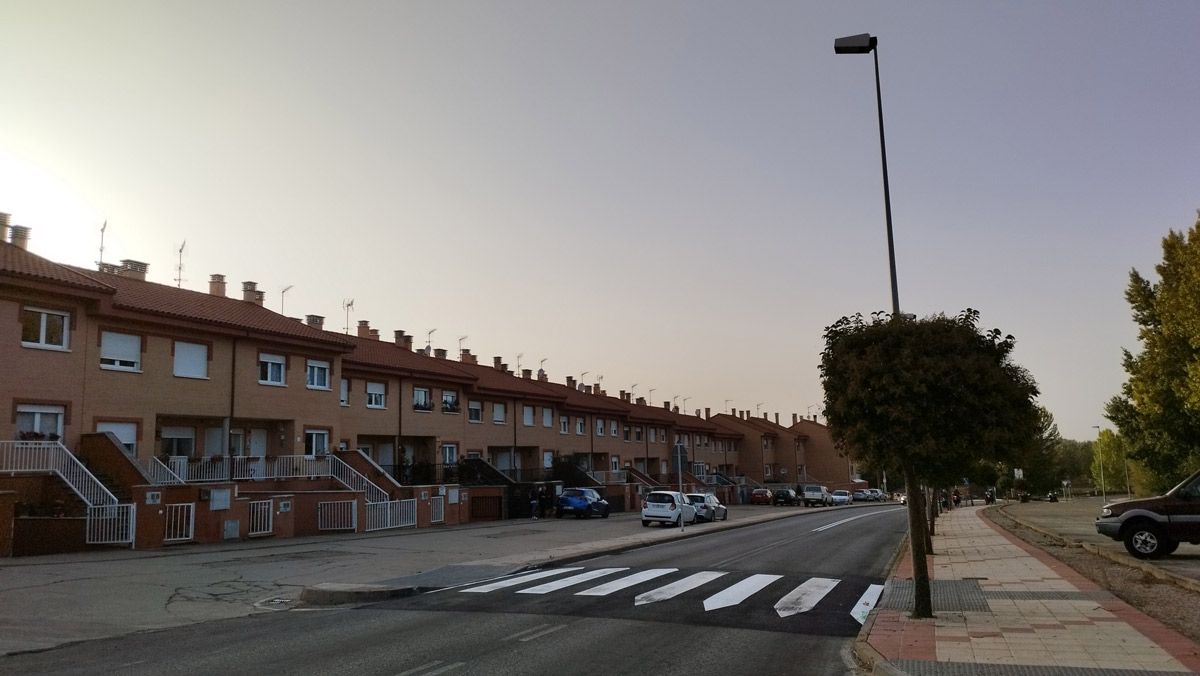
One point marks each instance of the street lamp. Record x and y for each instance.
(1103, 492)
(863, 44)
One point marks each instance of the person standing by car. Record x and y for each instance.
(533, 503)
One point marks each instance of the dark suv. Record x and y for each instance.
(1153, 527)
(785, 496)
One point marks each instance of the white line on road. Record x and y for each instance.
(448, 667)
(625, 582)
(866, 603)
(524, 631)
(519, 580)
(676, 588)
(568, 581)
(423, 667)
(805, 597)
(838, 523)
(542, 633)
(735, 594)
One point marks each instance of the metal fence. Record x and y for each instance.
(337, 515)
(617, 476)
(52, 456)
(437, 508)
(158, 473)
(111, 524)
(180, 522)
(391, 514)
(262, 514)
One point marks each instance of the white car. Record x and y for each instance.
(842, 498)
(708, 507)
(667, 507)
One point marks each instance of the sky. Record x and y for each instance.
(675, 196)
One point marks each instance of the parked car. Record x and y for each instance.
(582, 502)
(903, 498)
(861, 496)
(842, 498)
(667, 507)
(784, 496)
(708, 507)
(877, 495)
(815, 496)
(1152, 528)
(760, 496)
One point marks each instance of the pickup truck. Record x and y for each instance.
(816, 496)
(1153, 527)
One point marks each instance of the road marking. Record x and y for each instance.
(735, 594)
(448, 667)
(569, 581)
(866, 603)
(676, 588)
(512, 582)
(542, 633)
(524, 631)
(838, 523)
(805, 597)
(423, 667)
(625, 582)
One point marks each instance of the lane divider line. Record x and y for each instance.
(853, 518)
(524, 631)
(540, 634)
(423, 667)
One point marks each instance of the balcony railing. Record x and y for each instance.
(52, 456)
(422, 406)
(616, 476)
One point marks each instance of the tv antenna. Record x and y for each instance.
(727, 402)
(282, 294)
(758, 407)
(100, 263)
(429, 342)
(519, 355)
(650, 397)
(179, 266)
(348, 305)
(633, 392)
(460, 342)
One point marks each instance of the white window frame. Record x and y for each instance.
(499, 412)
(449, 454)
(320, 369)
(451, 396)
(173, 434)
(38, 410)
(311, 448)
(627, 433)
(527, 413)
(185, 350)
(580, 426)
(376, 395)
(120, 351)
(344, 392)
(599, 427)
(117, 428)
(615, 462)
(564, 424)
(272, 360)
(613, 428)
(474, 411)
(422, 399)
(40, 343)
(638, 433)
(547, 417)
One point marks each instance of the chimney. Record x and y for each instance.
(364, 328)
(814, 417)
(129, 268)
(707, 413)
(439, 353)
(315, 321)
(795, 418)
(374, 334)
(623, 396)
(776, 417)
(19, 235)
(733, 412)
(587, 389)
(571, 382)
(496, 362)
(216, 285)
(542, 377)
(527, 374)
(765, 416)
(504, 368)
(398, 336)
(466, 357)
(641, 401)
(248, 289)
(667, 405)
(697, 413)
(675, 410)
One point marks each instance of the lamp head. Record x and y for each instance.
(863, 43)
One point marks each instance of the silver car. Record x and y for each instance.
(708, 507)
(667, 507)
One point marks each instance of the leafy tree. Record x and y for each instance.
(1073, 460)
(1158, 410)
(1038, 458)
(930, 398)
(1109, 455)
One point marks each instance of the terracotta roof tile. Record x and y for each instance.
(18, 262)
(388, 355)
(583, 401)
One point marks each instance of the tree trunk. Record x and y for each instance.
(918, 538)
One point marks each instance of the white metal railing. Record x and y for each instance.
(295, 466)
(262, 517)
(111, 524)
(247, 467)
(180, 522)
(437, 509)
(338, 515)
(52, 456)
(356, 481)
(275, 467)
(614, 476)
(391, 514)
(158, 473)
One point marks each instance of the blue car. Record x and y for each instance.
(582, 502)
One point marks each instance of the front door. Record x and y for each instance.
(258, 443)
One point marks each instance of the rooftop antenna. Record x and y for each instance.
(179, 266)
(685, 400)
(348, 305)
(543, 362)
(650, 397)
(633, 392)
(429, 342)
(757, 407)
(519, 355)
(282, 294)
(727, 402)
(460, 341)
(100, 263)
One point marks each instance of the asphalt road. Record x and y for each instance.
(771, 598)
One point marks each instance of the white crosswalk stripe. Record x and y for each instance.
(866, 603)
(570, 581)
(520, 579)
(805, 597)
(735, 594)
(676, 588)
(626, 582)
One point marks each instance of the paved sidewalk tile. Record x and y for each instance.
(1040, 616)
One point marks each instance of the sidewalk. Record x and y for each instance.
(1005, 607)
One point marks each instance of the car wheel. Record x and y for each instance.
(726, 517)
(605, 514)
(645, 523)
(1145, 540)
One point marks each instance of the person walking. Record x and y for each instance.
(533, 503)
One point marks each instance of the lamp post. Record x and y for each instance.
(1100, 454)
(862, 44)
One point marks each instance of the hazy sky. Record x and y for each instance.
(678, 195)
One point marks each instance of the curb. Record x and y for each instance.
(864, 653)
(1097, 550)
(336, 593)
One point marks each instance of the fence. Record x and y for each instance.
(617, 476)
(437, 507)
(338, 515)
(391, 514)
(52, 456)
(180, 522)
(262, 514)
(158, 473)
(111, 524)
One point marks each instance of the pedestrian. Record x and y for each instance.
(543, 502)
(957, 498)
(533, 503)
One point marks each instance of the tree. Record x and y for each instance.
(1073, 459)
(1109, 455)
(929, 398)
(1038, 459)
(1158, 410)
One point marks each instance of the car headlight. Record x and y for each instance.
(1106, 512)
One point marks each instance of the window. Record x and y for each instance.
(651, 432)
(316, 442)
(120, 351)
(474, 411)
(271, 369)
(580, 426)
(191, 360)
(237, 442)
(450, 401)
(547, 416)
(626, 433)
(564, 424)
(449, 454)
(178, 440)
(45, 329)
(637, 433)
(344, 392)
(766, 470)
(612, 428)
(40, 422)
(616, 463)
(498, 413)
(317, 375)
(599, 427)
(527, 415)
(125, 432)
(421, 400)
(376, 395)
